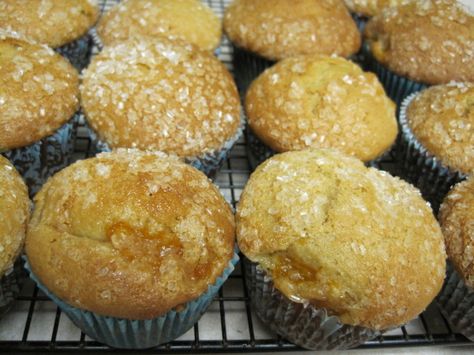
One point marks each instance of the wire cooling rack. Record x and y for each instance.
(35, 324)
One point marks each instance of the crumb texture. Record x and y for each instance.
(162, 95)
(442, 120)
(354, 240)
(39, 91)
(457, 223)
(321, 102)
(189, 20)
(51, 22)
(129, 234)
(431, 41)
(277, 29)
(14, 214)
(371, 8)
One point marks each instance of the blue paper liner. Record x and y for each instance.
(303, 324)
(140, 334)
(37, 162)
(420, 167)
(456, 302)
(11, 284)
(77, 52)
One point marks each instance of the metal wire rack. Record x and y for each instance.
(35, 324)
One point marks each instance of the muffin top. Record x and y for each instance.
(161, 95)
(442, 120)
(458, 228)
(430, 41)
(317, 101)
(39, 91)
(137, 234)
(371, 8)
(277, 29)
(354, 240)
(14, 213)
(189, 20)
(51, 22)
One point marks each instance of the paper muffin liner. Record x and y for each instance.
(10, 286)
(209, 163)
(302, 324)
(77, 52)
(259, 152)
(140, 334)
(37, 162)
(420, 167)
(456, 302)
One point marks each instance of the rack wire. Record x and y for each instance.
(35, 324)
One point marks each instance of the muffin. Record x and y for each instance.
(437, 145)
(39, 92)
(316, 101)
(269, 30)
(362, 10)
(141, 245)
(14, 214)
(339, 252)
(60, 24)
(163, 95)
(421, 43)
(456, 218)
(189, 20)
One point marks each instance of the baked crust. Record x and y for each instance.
(51, 22)
(371, 8)
(129, 234)
(284, 28)
(442, 120)
(162, 95)
(354, 240)
(14, 214)
(456, 218)
(428, 41)
(321, 102)
(189, 20)
(39, 91)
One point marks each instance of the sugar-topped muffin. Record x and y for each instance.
(162, 95)
(276, 29)
(39, 91)
(349, 239)
(427, 41)
(189, 20)
(319, 101)
(51, 22)
(371, 8)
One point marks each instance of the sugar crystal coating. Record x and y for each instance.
(372, 7)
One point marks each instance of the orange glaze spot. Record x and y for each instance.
(293, 270)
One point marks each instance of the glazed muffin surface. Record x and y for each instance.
(283, 28)
(137, 235)
(14, 214)
(189, 20)
(321, 102)
(51, 22)
(39, 91)
(354, 240)
(161, 95)
(371, 8)
(457, 223)
(442, 120)
(428, 41)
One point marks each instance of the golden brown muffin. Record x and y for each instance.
(321, 102)
(189, 20)
(51, 22)
(371, 8)
(136, 235)
(429, 41)
(354, 240)
(39, 91)
(161, 95)
(277, 29)
(442, 120)
(457, 222)
(14, 214)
